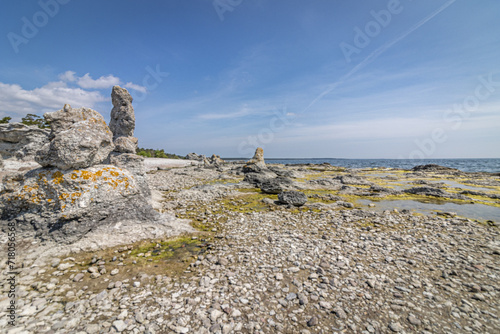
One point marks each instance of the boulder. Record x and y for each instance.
(194, 156)
(252, 168)
(434, 168)
(258, 158)
(79, 138)
(21, 142)
(122, 122)
(125, 144)
(135, 165)
(65, 205)
(276, 185)
(255, 179)
(434, 192)
(295, 198)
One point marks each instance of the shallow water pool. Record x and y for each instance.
(473, 211)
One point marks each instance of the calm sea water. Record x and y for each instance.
(466, 165)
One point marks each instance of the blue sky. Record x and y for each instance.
(340, 79)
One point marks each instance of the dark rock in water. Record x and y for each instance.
(79, 138)
(295, 198)
(433, 168)
(21, 142)
(479, 193)
(276, 185)
(122, 122)
(435, 192)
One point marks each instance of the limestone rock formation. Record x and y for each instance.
(75, 196)
(64, 205)
(79, 138)
(256, 164)
(134, 164)
(122, 122)
(196, 157)
(258, 158)
(21, 142)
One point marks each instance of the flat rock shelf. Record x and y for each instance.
(340, 263)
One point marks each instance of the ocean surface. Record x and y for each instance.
(465, 165)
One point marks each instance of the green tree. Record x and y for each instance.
(5, 120)
(32, 119)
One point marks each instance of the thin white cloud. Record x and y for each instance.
(103, 82)
(17, 102)
(135, 87)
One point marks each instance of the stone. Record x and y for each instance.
(119, 325)
(79, 138)
(295, 198)
(21, 142)
(66, 205)
(78, 277)
(434, 192)
(122, 122)
(126, 144)
(258, 158)
(395, 327)
(114, 272)
(276, 185)
(194, 156)
(134, 164)
(313, 321)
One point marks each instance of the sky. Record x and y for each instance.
(317, 78)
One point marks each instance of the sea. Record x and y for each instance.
(465, 165)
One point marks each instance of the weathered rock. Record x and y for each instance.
(134, 164)
(435, 192)
(295, 198)
(64, 205)
(252, 168)
(122, 122)
(434, 168)
(126, 144)
(258, 158)
(255, 179)
(194, 156)
(276, 185)
(79, 138)
(20, 141)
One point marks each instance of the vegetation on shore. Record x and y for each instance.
(29, 119)
(155, 153)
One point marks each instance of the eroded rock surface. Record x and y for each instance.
(21, 142)
(79, 138)
(122, 122)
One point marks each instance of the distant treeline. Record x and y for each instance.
(151, 153)
(29, 119)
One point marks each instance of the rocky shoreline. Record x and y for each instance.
(248, 263)
(96, 239)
